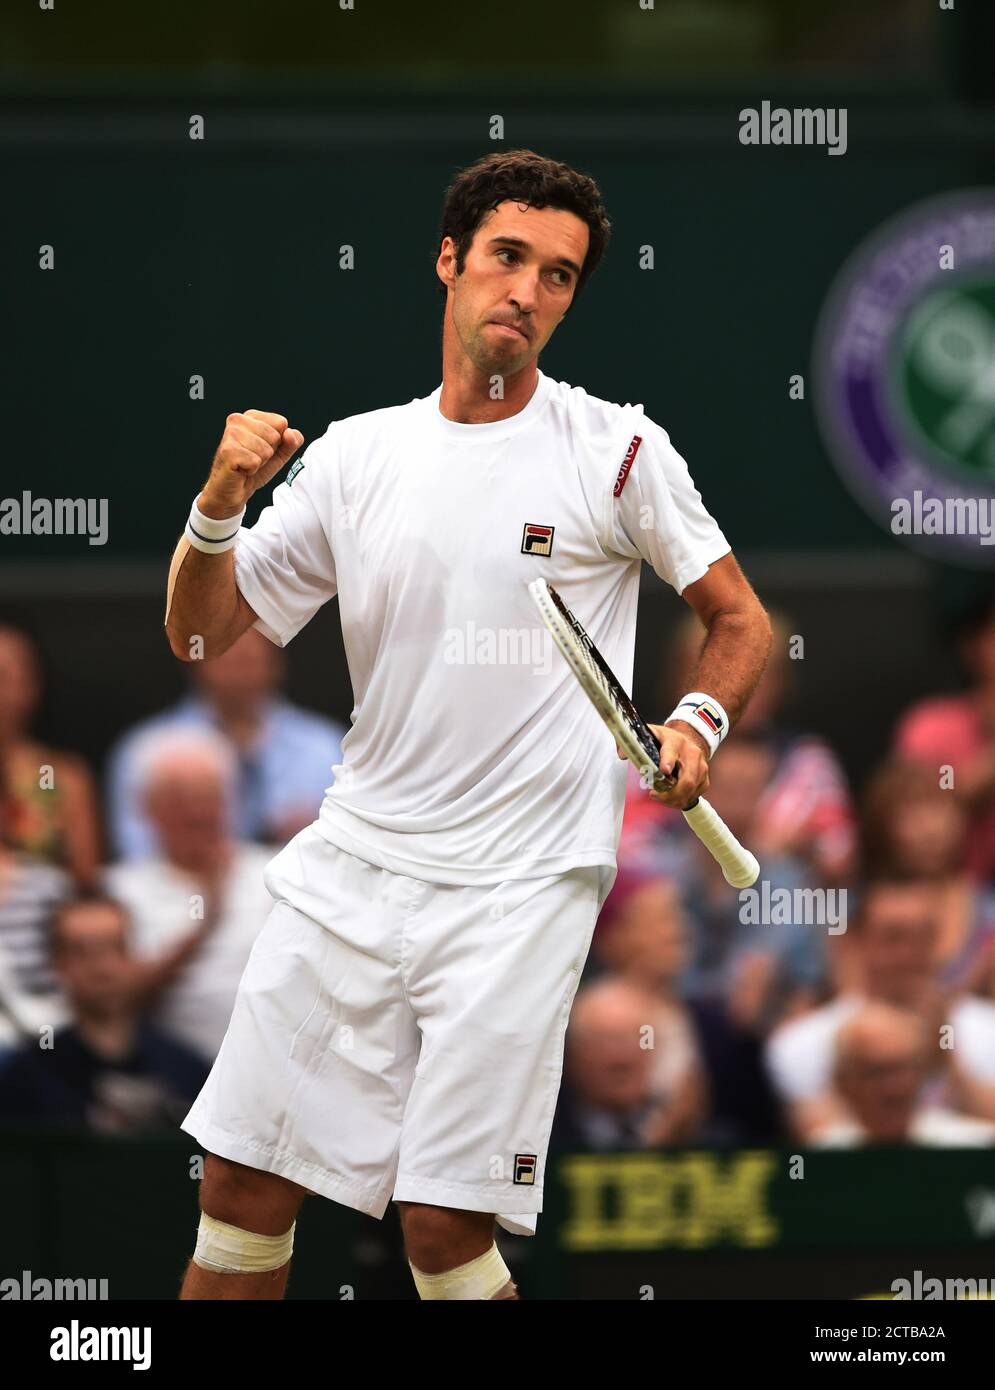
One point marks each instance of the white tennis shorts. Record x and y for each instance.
(398, 1038)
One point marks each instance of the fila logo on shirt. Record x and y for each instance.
(525, 1168)
(537, 540)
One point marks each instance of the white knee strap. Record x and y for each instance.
(229, 1250)
(481, 1278)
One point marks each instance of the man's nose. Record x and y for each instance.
(524, 291)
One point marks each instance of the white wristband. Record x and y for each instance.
(210, 535)
(705, 714)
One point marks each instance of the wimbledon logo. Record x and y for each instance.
(905, 369)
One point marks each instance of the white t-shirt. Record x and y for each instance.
(800, 1054)
(473, 754)
(196, 1008)
(931, 1127)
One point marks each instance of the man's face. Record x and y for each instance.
(927, 833)
(881, 1084)
(519, 277)
(92, 957)
(248, 671)
(608, 1067)
(898, 942)
(648, 940)
(737, 782)
(186, 804)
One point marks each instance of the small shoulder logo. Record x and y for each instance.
(294, 471)
(537, 540)
(525, 1168)
(627, 462)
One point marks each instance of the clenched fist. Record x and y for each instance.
(256, 444)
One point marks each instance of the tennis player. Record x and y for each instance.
(398, 1032)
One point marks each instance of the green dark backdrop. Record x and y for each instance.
(220, 258)
(663, 1224)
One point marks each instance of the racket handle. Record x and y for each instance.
(739, 867)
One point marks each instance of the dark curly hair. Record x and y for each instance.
(522, 176)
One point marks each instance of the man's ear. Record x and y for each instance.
(445, 265)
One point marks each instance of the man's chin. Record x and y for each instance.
(506, 363)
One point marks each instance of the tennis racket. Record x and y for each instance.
(636, 739)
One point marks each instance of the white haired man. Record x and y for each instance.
(199, 903)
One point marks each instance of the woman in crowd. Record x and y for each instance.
(913, 829)
(48, 802)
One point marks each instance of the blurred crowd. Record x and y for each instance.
(119, 962)
(861, 1013)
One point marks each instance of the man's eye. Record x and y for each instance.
(506, 252)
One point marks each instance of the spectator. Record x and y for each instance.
(285, 754)
(756, 973)
(199, 904)
(803, 810)
(710, 1071)
(48, 802)
(958, 731)
(913, 830)
(608, 1100)
(29, 991)
(105, 1070)
(881, 1066)
(642, 940)
(893, 941)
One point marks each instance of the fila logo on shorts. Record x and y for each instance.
(537, 540)
(525, 1168)
(627, 462)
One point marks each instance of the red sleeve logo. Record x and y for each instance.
(627, 462)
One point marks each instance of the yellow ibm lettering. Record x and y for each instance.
(726, 1200)
(651, 1201)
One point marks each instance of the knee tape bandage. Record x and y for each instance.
(481, 1278)
(230, 1250)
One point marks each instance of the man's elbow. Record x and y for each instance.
(749, 615)
(182, 647)
(200, 646)
(764, 628)
(194, 646)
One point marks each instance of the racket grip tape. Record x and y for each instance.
(739, 867)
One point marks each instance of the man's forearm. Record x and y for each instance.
(203, 603)
(738, 637)
(730, 664)
(733, 657)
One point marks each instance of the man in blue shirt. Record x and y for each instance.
(285, 754)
